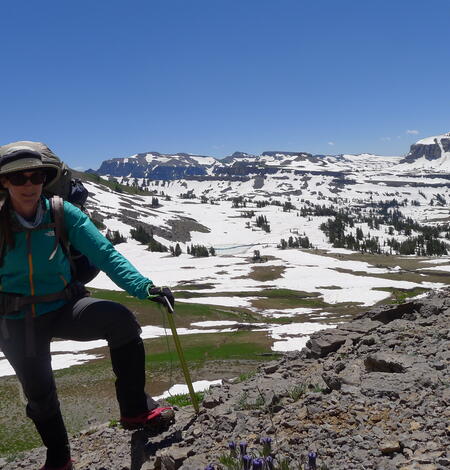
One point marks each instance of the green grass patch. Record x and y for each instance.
(149, 312)
(288, 294)
(412, 267)
(118, 296)
(266, 273)
(285, 298)
(122, 188)
(316, 388)
(186, 287)
(400, 296)
(187, 313)
(246, 376)
(282, 320)
(14, 437)
(184, 399)
(245, 403)
(297, 391)
(211, 347)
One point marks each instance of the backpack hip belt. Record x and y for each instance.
(13, 303)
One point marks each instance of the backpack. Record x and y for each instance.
(83, 270)
(71, 189)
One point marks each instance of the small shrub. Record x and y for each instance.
(316, 388)
(200, 251)
(243, 402)
(298, 391)
(115, 237)
(154, 245)
(245, 376)
(184, 399)
(176, 251)
(140, 235)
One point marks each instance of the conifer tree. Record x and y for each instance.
(177, 250)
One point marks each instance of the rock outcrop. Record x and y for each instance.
(373, 393)
(430, 150)
(157, 166)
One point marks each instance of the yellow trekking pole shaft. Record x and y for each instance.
(183, 363)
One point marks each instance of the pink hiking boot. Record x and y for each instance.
(156, 421)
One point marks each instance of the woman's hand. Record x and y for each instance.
(160, 294)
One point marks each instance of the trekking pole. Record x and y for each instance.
(181, 357)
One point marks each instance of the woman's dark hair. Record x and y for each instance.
(6, 234)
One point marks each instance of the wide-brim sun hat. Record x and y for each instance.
(27, 155)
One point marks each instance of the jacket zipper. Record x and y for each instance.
(63, 279)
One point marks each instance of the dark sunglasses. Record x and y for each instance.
(19, 178)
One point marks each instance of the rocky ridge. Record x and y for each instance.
(157, 166)
(373, 393)
(433, 150)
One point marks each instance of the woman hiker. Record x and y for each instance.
(39, 301)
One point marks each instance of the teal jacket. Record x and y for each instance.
(37, 275)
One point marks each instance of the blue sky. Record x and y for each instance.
(97, 79)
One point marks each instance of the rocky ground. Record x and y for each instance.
(373, 393)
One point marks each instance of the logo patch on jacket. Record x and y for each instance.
(51, 233)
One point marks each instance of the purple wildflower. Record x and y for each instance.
(257, 464)
(269, 462)
(312, 456)
(246, 462)
(209, 467)
(266, 443)
(243, 447)
(232, 446)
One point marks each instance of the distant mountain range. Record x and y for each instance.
(185, 198)
(430, 155)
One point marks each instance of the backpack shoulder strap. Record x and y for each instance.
(2, 247)
(57, 209)
(5, 227)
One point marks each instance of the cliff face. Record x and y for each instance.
(432, 148)
(430, 152)
(371, 394)
(160, 169)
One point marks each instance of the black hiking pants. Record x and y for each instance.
(83, 320)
